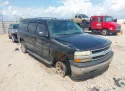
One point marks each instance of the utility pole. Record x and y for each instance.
(2, 23)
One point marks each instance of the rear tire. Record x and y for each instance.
(23, 47)
(104, 32)
(13, 39)
(61, 68)
(9, 36)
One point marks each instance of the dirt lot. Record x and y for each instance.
(21, 72)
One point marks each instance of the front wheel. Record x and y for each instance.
(104, 32)
(23, 47)
(61, 68)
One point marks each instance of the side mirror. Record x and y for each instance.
(42, 34)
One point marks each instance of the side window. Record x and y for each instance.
(79, 17)
(32, 27)
(41, 28)
(99, 19)
(76, 16)
(23, 25)
(94, 19)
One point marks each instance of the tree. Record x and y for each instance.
(20, 19)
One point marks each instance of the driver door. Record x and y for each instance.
(41, 42)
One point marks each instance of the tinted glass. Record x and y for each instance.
(41, 28)
(84, 16)
(23, 25)
(94, 19)
(15, 26)
(32, 27)
(64, 28)
(79, 17)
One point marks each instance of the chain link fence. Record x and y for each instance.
(4, 26)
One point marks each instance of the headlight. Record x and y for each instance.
(82, 56)
(84, 53)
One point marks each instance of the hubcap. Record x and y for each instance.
(23, 47)
(104, 32)
(13, 38)
(60, 69)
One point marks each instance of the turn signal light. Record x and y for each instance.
(77, 60)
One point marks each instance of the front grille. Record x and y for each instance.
(99, 57)
(100, 53)
(100, 50)
(118, 27)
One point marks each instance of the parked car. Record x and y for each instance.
(63, 44)
(12, 32)
(104, 24)
(82, 20)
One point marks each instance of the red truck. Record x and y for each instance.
(104, 24)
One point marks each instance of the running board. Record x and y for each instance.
(42, 59)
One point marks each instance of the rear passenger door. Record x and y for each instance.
(31, 35)
(41, 42)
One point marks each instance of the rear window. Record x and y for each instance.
(15, 26)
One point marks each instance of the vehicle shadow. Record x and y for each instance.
(49, 66)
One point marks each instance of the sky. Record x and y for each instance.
(12, 9)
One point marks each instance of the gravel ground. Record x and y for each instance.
(21, 72)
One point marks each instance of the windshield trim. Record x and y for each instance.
(65, 34)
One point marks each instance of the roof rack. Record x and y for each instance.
(45, 18)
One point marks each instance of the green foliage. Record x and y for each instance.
(20, 19)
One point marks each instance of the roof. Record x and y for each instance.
(99, 16)
(44, 18)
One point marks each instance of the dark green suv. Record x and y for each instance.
(63, 44)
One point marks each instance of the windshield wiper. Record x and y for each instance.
(64, 34)
(76, 33)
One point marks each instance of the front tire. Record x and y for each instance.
(23, 47)
(105, 32)
(61, 68)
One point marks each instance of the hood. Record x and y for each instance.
(83, 41)
(113, 23)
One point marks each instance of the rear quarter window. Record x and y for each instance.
(23, 26)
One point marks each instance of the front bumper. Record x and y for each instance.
(82, 71)
(115, 31)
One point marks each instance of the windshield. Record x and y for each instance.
(84, 16)
(15, 26)
(63, 27)
(108, 19)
